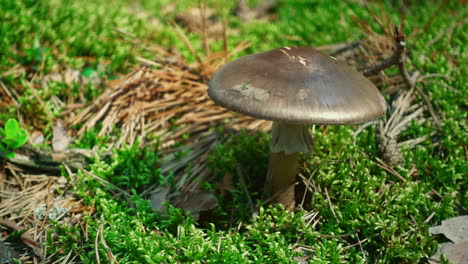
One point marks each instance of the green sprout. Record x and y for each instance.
(12, 136)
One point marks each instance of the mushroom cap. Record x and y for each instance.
(296, 85)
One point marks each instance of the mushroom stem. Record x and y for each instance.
(290, 138)
(281, 177)
(287, 141)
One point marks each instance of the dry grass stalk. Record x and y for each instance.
(168, 102)
(8, 97)
(381, 51)
(403, 112)
(28, 200)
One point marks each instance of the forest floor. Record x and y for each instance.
(129, 161)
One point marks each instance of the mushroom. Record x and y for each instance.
(294, 87)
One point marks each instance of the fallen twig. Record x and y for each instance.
(110, 256)
(331, 205)
(50, 160)
(25, 237)
(395, 59)
(107, 184)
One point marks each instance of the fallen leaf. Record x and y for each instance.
(195, 203)
(158, 197)
(455, 229)
(60, 140)
(36, 138)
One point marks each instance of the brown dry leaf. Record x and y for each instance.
(36, 137)
(455, 229)
(197, 202)
(60, 139)
(158, 197)
(455, 253)
(192, 203)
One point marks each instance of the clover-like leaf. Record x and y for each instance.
(11, 128)
(5, 151)
(15, 136)
(9, 142)
(3, 148)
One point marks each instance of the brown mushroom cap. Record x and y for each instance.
(296, 85)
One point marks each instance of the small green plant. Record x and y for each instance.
(131, 168)
(12, 136)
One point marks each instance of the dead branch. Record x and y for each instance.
(395, 59)
(26, 237)
(50, 160)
